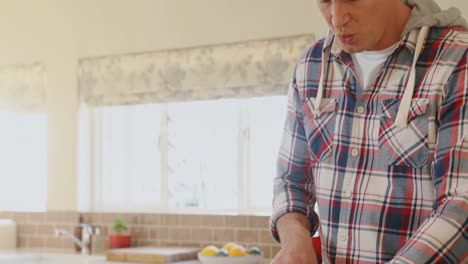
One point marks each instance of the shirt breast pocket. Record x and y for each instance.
(319, 126)
(406, 146)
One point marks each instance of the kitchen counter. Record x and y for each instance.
(51, 257)
(40, 256)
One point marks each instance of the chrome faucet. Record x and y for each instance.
(86, 233)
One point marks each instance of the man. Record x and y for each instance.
(377, 136)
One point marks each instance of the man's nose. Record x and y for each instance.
(340, 14)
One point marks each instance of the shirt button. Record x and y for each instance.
(348, 193)
(354, 152)
(360, 109)
(343, 237)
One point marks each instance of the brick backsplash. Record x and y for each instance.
(36, 230)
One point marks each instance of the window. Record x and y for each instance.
(23, 155)
(126, 157)
(202, 154)
(266, 121)
(217, 155)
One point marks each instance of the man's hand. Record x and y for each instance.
(298, 252)
(296, 243)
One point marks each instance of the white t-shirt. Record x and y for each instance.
(368, 64)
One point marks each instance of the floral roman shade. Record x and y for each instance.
(22, 88)
(245, 69)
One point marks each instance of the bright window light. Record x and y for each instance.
(129, 157)
(266, 122)
(23, 155)
(202, 154)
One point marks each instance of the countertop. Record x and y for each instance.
(41, 256)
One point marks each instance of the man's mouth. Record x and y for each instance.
(346, 39)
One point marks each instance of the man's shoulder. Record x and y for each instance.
(450, 36)
(306, 74)
(445, 46)
(461, 36)
(313, 53)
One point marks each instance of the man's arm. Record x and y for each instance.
(293, 189)
(293, 219)
(443, 238)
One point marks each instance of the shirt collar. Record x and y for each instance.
(334, 45)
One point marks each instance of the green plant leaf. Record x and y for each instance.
(119, 225)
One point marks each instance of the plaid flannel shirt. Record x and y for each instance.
(384, 193)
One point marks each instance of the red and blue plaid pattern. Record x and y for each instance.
(384, 193)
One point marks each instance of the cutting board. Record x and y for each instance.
(151, 254)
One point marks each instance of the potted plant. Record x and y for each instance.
(120, 238)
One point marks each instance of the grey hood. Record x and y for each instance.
(428, 13)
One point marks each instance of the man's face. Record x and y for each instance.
(359, 25)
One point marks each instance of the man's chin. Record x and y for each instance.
(351, 49)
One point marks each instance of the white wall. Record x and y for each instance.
(59, 32)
